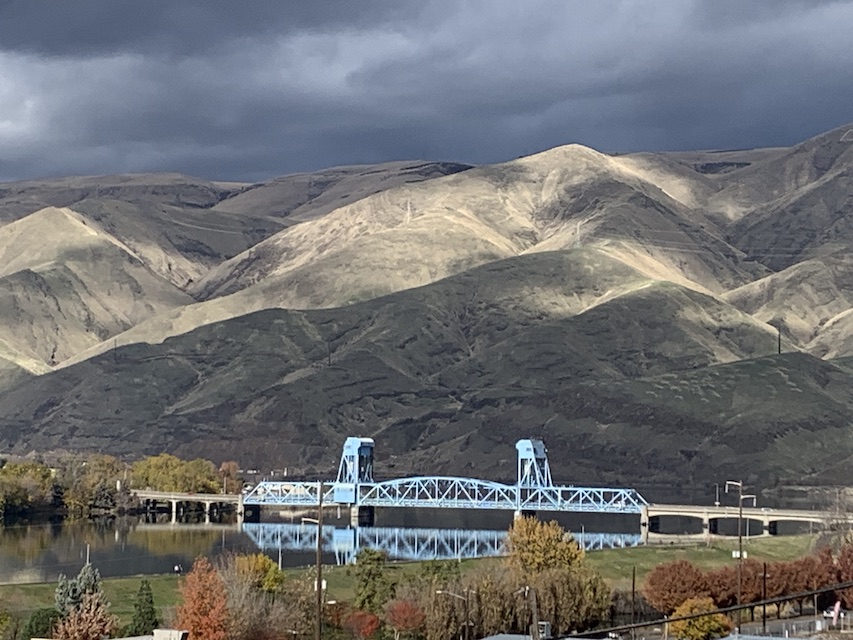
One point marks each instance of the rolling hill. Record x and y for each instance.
(623, 307)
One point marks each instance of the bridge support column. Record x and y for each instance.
(768, 528)
(361, 516)
(174, 511)
(706, 525)
(523, 513)
(206, 512)
(644, 524)
(251, 513)
(240, 510)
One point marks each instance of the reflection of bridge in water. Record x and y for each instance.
(403, 543)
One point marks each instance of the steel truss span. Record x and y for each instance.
(403, 543)
(452, 493)
(533, 491)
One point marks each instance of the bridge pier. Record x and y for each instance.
(174, 511)
(644, 524)
(362, 516)
(251, 513)
(523, 513)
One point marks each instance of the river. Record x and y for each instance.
(124, 547)
(39, 552)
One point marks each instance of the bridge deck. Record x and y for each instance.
(763, 514)
(168, 496)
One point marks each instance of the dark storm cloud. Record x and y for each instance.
(249, 90)
(171, 27)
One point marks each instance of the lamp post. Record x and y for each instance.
(740, 498)
(464, 599)
(534, 610)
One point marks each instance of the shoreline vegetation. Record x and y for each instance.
(87, 485)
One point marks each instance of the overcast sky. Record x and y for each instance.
(227, 89)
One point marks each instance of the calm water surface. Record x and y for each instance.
(124, 547)
(41, 552)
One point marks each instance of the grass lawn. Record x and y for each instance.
(615, 566)
(21, 600)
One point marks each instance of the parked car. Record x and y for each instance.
(830, 613)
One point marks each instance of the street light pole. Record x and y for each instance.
(467, 610)
(740, 498)
(534, 610)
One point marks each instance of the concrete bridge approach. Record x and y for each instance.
(711, 515)
(180, 501)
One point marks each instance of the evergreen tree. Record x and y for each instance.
(372, 586)
(69, 593)
(65, 595)
(41, 623)
(144, 615)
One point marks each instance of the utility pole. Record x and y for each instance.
(468, 617)
(319, 630)
(779, 338)
(764, 598)
(534, 606)
(633, 596)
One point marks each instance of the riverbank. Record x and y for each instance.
(615, 565)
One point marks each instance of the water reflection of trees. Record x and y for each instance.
(27, 542)
(175, 542)
(59, 545)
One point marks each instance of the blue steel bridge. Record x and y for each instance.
(403, 543)
(533, 490)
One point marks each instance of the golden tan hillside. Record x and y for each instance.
(618, 303)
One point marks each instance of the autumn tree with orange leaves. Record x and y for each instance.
(404, 616)
(667, 586)
(362, 624)
(203, 610)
